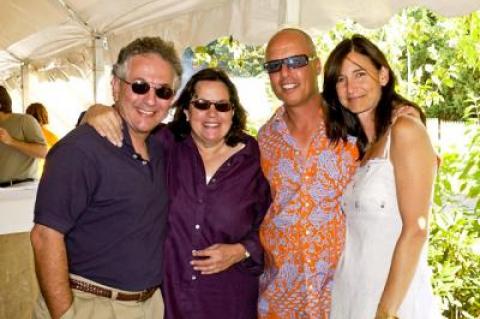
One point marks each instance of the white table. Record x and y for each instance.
(18, 284)
(16, 207)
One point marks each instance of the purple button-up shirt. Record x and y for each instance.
(229, 209)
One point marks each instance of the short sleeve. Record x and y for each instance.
(32, 130)
(66, 187)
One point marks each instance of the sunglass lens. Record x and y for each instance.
(297, 61)
(140, 87)
(273, 66)
(201, 104)
(223, 106)
(164, 92)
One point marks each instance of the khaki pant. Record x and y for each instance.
(89, 306)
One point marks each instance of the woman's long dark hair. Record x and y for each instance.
(341, 121)
(181, 127)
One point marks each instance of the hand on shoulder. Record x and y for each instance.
(410, 136)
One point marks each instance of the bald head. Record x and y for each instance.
(294, 38)
(295, 85)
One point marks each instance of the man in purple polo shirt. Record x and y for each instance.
(100, 211)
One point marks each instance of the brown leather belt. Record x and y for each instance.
(107, 293)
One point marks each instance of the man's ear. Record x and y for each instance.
(317, 65)
(116, 88)
(384, 76)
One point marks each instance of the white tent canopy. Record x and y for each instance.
(35, 30)
(68, 39)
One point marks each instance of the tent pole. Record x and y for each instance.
(292, 13)
(98, 65)
(25, 78)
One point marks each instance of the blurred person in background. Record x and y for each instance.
(21, 144)
(39, 112)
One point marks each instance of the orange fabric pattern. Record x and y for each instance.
(303, 231)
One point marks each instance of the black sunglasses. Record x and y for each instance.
(203, 105)
(141, 87)
(292, 62)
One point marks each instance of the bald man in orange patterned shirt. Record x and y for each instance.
(303, 231)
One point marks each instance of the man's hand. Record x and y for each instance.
(106, 121)
(51, 266)
(5, 137)
(405, 110)
(217, 258)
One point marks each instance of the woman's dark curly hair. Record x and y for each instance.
(181, 127)
(340, 120)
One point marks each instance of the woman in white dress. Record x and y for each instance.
(383, 271)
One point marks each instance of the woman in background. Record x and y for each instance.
(383, 272)
(39, 112)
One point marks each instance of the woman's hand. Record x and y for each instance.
(106, 121)
(217, 258)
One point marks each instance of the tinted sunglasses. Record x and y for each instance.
(140, 87)
(292, 62)
(203, 105)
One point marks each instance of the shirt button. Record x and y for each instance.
(307, 204)
(134, 156)
(197, 226)
(194, 277)
(213, 180)
(200, 201)
(144, 162)
(307, 232)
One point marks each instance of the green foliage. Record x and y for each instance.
(435, 59)
(236, 58)
(454, 242)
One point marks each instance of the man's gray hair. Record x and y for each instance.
(147, 45)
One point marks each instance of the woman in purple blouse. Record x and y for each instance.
(218, 197)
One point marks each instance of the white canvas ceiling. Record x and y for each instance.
(35, 31)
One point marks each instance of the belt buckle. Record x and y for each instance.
(143, 296)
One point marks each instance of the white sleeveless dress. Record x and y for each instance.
(373, 226)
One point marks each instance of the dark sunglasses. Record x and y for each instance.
(203, 105)
(141, 87)
(292, 62)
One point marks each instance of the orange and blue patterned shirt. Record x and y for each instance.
(303, 231)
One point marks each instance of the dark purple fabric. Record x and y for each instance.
(111, 206)
(227, 210)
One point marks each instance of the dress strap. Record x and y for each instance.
(386, 150)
